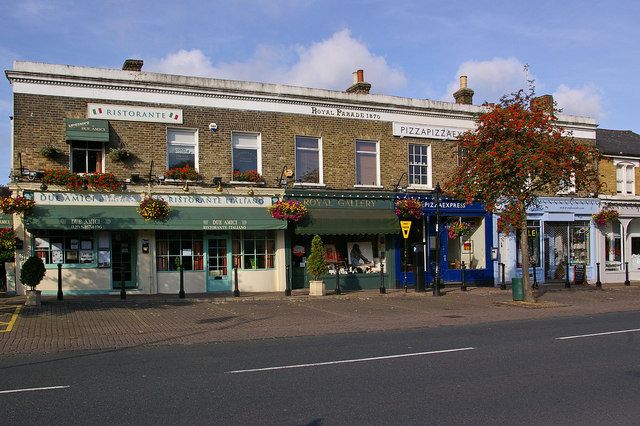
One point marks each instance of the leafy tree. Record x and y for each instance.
(317, 264)
(517, 152)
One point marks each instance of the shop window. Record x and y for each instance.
(579, 243)
(175, 248)
(66, 247)
(533, 239)
(625, 178)
(613, 248)
(182, 148)
(87, 157)
(367, 163)
(246, 152)
(254, 249)
(419, 165)
(349, 254)
(308, 160)
(469, 248)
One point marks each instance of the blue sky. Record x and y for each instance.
(585, 53)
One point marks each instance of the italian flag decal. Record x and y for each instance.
(97, 110)
(174, 116)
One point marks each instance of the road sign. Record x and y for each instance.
(406, 227)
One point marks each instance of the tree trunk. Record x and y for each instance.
(524, 253)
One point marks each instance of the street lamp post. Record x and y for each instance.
(436, 281)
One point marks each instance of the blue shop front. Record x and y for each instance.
(466, 242)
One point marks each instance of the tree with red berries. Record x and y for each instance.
(516, 153)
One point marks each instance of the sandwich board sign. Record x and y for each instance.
(406, 227)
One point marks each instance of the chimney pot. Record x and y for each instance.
(359, 85)
(463, 81)
(464, 95)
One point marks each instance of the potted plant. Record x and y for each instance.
(290, 210)
(182, 173)
(50, 152)
(31, 273)
(317, 268)
(119, 154)
(408, 209)
(251, 176)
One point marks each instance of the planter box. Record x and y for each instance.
(317, 288)
(34, 298)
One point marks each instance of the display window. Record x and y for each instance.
(466, 242)
(254, 249)
(175, 248)
(533, 240)
(346, 254)
(77, 248)
(613, 248)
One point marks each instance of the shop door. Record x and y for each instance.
(448, 271)
(556, 251)
(218, 261)
(123, 260)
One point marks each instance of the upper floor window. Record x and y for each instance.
(625, 178)
(308, 160)
(367, 163)
(182, 148)
(87, 157)
(246, 153)
(419, 165)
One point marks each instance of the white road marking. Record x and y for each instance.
(34, 389)
(346, 361)
(598, 334)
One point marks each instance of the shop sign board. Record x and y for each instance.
(135, 113)
(427, 131)
(406, 227)
(178, 200)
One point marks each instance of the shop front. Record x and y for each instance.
(359, 231)
(561, 241)
(103, 243)
(465, 236)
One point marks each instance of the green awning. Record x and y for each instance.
(347, 221)
(91, 130)
(6, 220)
(180, 218)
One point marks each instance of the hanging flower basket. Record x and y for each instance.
(247, 176)
(605, 215)
(290, 210)
(409, 208)
(154, 209)
(7, 244)
(458, 229)
(182, 173)
(19, 204)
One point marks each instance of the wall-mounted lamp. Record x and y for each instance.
(185, 188)
(287, 174)
(398, 187)
(217, 181)
(43, 186)
(250, 192)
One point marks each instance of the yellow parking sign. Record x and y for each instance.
(406, 227)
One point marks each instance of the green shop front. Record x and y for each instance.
(359, 231)
(102, 243)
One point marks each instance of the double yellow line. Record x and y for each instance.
(12, 321)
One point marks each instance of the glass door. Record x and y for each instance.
(123, 260)
(218, 262)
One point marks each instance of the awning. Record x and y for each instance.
(79, 129)
(348, 221)
(180, 218)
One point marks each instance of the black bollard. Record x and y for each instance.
(236, 292)
(123, 291)
(503, 284)
(382, 289)
(338, 291)
(287, 290)
(181, 292)
(598, 282)
(626, 274)
(463, 287)
(60, 296)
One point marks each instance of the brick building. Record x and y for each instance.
(346, 155)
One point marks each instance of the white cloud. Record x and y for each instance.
(327, 64)
(584, 101)
(490, 80)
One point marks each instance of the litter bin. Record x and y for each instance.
(516, 289)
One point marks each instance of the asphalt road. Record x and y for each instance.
(502, 373)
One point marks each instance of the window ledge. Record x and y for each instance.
(181, 180)
(421, 187)
(369, 186)
(302, 184)
(244, 182)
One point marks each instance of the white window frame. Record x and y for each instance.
(71, 149)
(320, 161)
(626, 165)
(429, 184)
(195, 143)
(377, 183)
(258, 136)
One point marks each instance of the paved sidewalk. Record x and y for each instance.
(106, 322)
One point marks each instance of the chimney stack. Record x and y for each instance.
(359, 85)
(464, 95)
(543, 103)
(132, 65)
